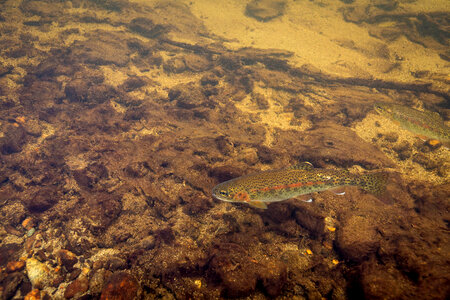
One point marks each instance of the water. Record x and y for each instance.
(119, 117)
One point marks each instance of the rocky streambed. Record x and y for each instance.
(118, 118)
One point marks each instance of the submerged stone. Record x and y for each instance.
(265, 10)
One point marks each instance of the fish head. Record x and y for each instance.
(383, 109)
(227, 191)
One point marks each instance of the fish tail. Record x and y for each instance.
(375, 183)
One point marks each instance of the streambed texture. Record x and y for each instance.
(119, 117)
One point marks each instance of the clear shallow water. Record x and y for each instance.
(118, 118)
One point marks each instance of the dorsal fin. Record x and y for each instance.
(302, 166)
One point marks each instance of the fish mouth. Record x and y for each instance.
(216, 195)
(220, 198)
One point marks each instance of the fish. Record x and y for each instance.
(425, 124)
(277, 185)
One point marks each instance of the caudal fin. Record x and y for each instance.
(375, 183)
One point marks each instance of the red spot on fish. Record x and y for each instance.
(242, 196)
(292, 185)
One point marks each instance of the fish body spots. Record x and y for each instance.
(241, 197)
(423, 123)
(278, 185)
(288, 186)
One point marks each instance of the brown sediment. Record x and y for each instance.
(118, 118)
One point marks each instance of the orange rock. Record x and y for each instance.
(120, 286)
(33, 295)
(14, 266)
(20, 119)
(28, 223)
(76, 287)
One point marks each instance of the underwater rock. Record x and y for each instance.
(311, 219)
(13, 139)
(224, 173)
(330, 142)
(10, 284)
(96, 282)
(235, 270)
(102, 207)
(91, 175)
(42, 8)
(42, 200)
(197, 63)
(187, 96)
(41, 93)
(32, 127)
(424, 160)
(273, 277)
(265, 10)
(146, 27)
(403, 149)
(137, 169)
(15, 266)
(76, 288)
(5, 69)
(66, 259)
(104, 48)
(175, 65)
(133, 83)
(39, 273)
(9, 252)
(209, 79)
(378, 282)
(120, 286)
(12, 213)
(357, 238)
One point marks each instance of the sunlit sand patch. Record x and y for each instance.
(272, 117)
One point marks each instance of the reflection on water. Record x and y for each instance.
(119, 117)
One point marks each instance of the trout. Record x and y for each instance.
(424, 124)
(278, 185)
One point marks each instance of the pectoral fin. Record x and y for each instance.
(258, 204)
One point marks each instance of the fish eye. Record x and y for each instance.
(223, 193)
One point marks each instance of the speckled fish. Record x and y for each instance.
(425, 124)
(278, 185)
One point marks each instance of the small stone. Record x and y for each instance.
(14, 266)
(391, 137)
(261, 101)
(28, 223)
(76, 287)
(66, 259)
(148, 242)
(33, 128)
(265, 10)
(249, 156)
(98, 264)
(403, 150)
(116, 263)
(31, 232)
(175, 65)
(97, 281)
(433, 144)
(35, 294)
(11, 283)
(425, 161)
(39, 273)
(74, 274)
(196, 63)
